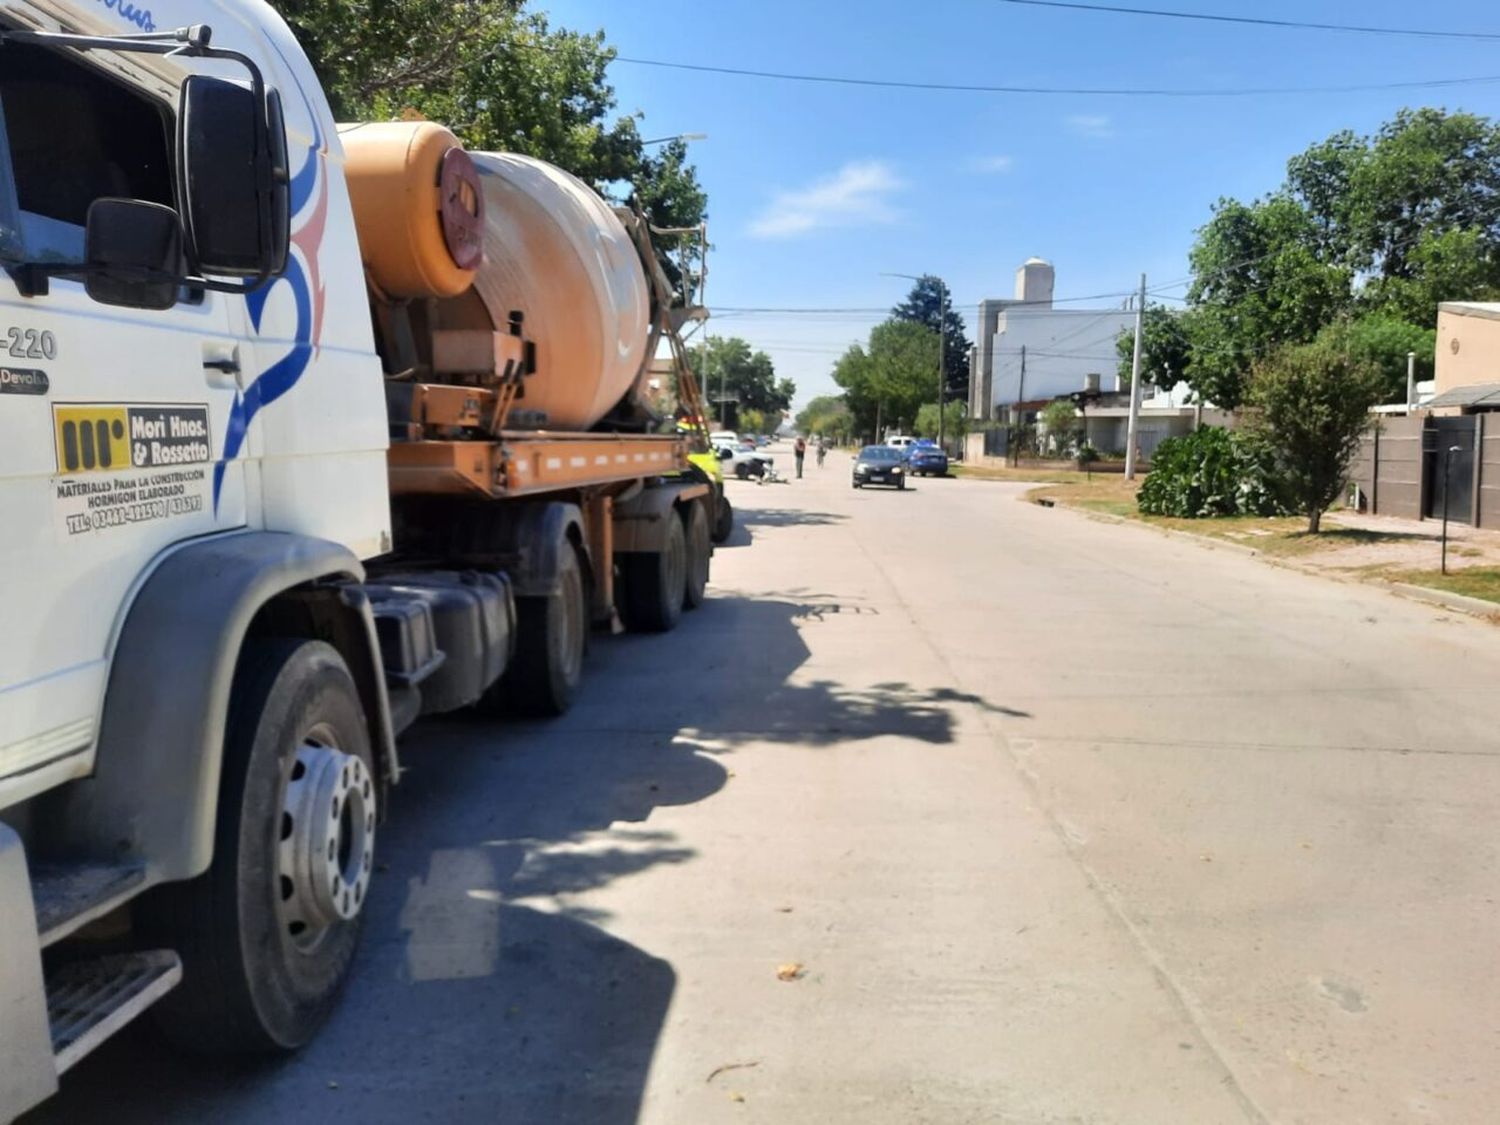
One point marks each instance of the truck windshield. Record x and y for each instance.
(71, 135)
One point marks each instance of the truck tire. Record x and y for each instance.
(699, 552)
(652, 584)
(268, 933)
(723, 518)
(552, 634)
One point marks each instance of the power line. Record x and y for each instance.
(1257, 21)
(885, 310)
(1086, 91)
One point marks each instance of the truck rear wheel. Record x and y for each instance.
(268, 933)
(699, 553)
(652, 584)
(552, 633)
(723, 518)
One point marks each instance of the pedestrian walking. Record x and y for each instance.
(822, 452)
(800, 452)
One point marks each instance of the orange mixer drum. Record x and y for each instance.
(418, 208)
(554, 251)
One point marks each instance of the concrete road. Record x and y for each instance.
(1062, 821)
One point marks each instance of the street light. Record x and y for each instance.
(677, 137)
(942, 323)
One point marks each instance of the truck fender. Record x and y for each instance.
(154, 793)
(640, 524)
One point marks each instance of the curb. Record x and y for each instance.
(1478, 607)
(1475, 607)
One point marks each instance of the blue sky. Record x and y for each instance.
(815, 190)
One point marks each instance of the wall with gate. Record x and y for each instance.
(1399, 468)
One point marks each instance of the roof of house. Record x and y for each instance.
(1488, 309)
(1477, 394)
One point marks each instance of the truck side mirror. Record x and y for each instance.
(133, 254)
(235, 183)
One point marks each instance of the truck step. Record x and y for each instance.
(68, 896)
(88, 1001)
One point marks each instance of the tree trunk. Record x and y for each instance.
(1314, 520)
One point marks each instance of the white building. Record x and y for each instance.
(1030, 351)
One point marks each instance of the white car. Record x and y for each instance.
(901, 442)
(724, 437)
(744, 463)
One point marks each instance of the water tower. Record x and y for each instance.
(1034, 282)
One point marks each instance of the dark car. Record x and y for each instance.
(927, 459)
(879, 464)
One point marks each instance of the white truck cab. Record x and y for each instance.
(128, 430)
(171, 228)
(213, 433)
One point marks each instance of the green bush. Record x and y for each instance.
(1211, 472)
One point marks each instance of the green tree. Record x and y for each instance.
(1454, 265)
(1390, 224)
(1166, 351)
(827, 416)
(931, 303)
(504, 80)
(886, 380)
(1060, 420)
(955, 420)
(1427, 172)
(1311, 408)
(1258, 283)
(749, 377)
(1384, 341)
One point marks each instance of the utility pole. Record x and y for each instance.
(703, 347)
(1135, 383)
(942, 356)
(1020, 398)
(1411, 381)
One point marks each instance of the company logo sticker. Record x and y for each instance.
(107, 437)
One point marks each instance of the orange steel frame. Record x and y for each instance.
(525, 463)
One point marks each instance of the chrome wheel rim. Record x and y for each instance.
(326, 851)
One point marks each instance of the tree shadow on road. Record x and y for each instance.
(482, 992)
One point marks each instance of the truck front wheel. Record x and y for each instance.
(268, 933)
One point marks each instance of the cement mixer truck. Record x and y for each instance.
(306, 430)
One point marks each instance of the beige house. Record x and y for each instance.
(1468, 355)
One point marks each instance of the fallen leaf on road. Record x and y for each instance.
(783, 910)
(718, 1070)
(1206, 858)
(736, 1096)
(792, 970)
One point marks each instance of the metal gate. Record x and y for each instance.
(1448, 468)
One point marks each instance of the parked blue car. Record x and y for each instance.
(927, 459)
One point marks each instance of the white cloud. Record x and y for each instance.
(994, 165)
(1095, 125)
(857, 194)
